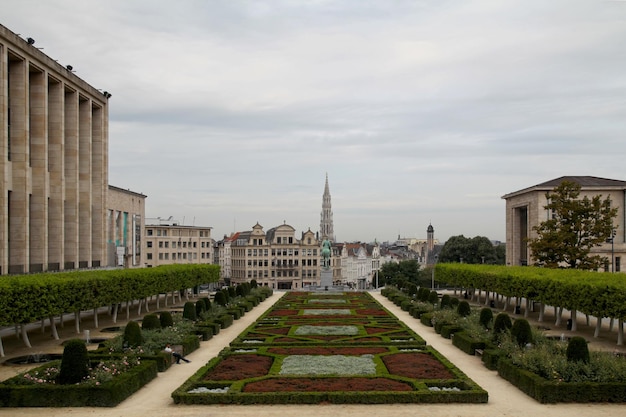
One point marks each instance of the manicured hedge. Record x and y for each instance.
(553, 391)
(466, 343)
(28, 298)
(108, 394)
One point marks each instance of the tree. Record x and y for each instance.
(392, 272)
(476, 250)
(575, 227)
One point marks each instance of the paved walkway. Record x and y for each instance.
(154, 399)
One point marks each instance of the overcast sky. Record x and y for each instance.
(225, 113)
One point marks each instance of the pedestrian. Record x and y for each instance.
(178, 356)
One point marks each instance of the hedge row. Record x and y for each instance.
(28, 298)
(593, 293)
(108, 394)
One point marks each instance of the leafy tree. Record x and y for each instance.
(573, 229)
(476, 250)
(394, 273)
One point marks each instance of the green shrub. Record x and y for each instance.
(463, 309)
(433, 297)
(253, 283)
(189, 311)
(445, 301)
(501, 324)
(577, 350)
(75, 362)
(207, 303)
(521, 332)
(454, 302)
(232, 292)
(422, 294)
(226, 294)
(486, 317)
(411, 289)
(166, 319)
(150, 322)
(132, 335)
(200, 307)
(220, 298)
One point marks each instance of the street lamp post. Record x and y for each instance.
(612, 240)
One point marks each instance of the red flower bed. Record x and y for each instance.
(326, 384)
(236, 367)
(371, 312)
(281, 313)
(329, 350)
(416, 365)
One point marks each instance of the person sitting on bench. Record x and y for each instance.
(178, 356)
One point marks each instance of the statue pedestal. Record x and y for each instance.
(326, 280)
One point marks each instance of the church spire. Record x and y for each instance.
(326, 222)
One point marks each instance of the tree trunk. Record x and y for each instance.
(1, 348)
(25, 336)
(611, 321)
(598, 327)
(558, 315)
(620, 332)
(77, 321)
(507, 300)
(139, 307)
(43, 326)
(527, 311)
(53, 328)
(61, 320)
(95, 317)
(573, 318)
(127, 310)
(147, 301)
(542, 308)
(486, 298)
(115, 308)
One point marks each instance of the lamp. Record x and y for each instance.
(69, 67)
(30, 41)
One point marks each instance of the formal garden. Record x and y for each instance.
(123, 364)
(325, 347)
(549, 369)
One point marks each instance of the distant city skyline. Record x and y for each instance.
(226, 113)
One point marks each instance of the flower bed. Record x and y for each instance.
(290, 357)
(36, 388)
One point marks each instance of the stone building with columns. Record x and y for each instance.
(126, 213)
(525, 209)
(53, 163)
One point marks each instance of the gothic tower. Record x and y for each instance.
(326, 222)
(430, 244)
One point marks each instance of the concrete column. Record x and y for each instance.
(56, 194)
(84, 183)
(71, 179)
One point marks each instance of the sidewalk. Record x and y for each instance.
(154, 399)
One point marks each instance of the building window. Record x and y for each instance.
(167, 256)
(149, 244)
(149, 232)
(618, 263)
(173, 256)
(290, 240)
(160, 244)
(167, 244)
(148, 256)
(160, 256)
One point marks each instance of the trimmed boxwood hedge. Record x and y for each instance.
(108, 394)
(546, 391)
(466, 343)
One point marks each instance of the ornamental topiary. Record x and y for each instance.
(226, 294)
(166, 319)
(75, 362)
(207, 303)
(253, 283)
(486, 317)
(151, 322)
(189, 311)
(132, 335)
(220, 299)
(423, 293)
(454, 302)
(463, 309)
(501, 324)
(577, 350)
(445, 301)
(522, 332)
(232, 292)
(200, 308)
(433, 298)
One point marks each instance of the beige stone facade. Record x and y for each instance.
(275, 258)
(167, 243)
(525, 210)
(53, 163)
(126, 213)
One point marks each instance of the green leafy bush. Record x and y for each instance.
(522, 332)
(445, 301)
(220, 299)
(433, 297)
(200, 307)
(75, 362)
(501, 325)
(486, 317)
(463, 309)
(150, 322)
(577, 350)
(166, 319)
(232, 292)
(132, 335)
(207, 303)
(189, 311)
